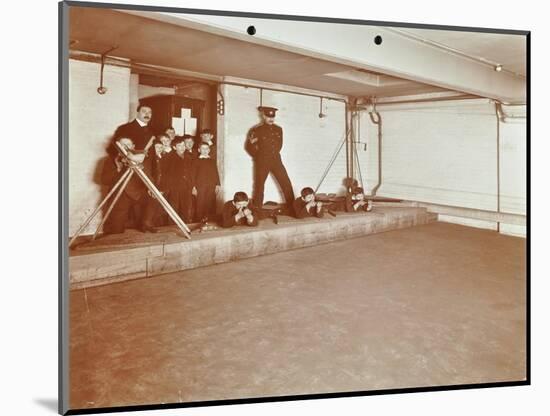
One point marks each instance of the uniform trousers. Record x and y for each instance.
(278, 170)
(139, 212)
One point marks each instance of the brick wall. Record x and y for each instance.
(445, 153)
(93, 119)
(309, 141)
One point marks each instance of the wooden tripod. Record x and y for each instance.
(133, 168)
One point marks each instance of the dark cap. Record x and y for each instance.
(240, 196)
(177, 139)
(268, 111)
(307, 191)
(206, 131)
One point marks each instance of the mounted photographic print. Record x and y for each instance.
(270, 207)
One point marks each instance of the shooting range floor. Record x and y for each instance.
(134, 254)
(431, 305)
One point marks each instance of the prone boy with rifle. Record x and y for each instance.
(306, 205)
(239, 211)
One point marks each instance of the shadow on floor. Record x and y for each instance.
(49, 404)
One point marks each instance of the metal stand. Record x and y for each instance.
(121, 184)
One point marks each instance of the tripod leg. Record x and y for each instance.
(169, 210)
(167, 207)
(93, 214)
(117, 196)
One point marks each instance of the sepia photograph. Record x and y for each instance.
(274, 207)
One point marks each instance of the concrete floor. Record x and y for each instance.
(436, 304)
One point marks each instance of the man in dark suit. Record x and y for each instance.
(134, 200)
(264, 144)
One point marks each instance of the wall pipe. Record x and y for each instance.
(435, 99)
(500, 116)
(378, 121)
(349, 122)
(454, 98)
(351, 146)
(306, 94)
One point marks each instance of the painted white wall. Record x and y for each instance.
(93, 119)
(513, 167)
(308, 141)
(445, 153)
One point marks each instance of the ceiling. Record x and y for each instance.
(145, 39)
(153, 42)
(510, 51)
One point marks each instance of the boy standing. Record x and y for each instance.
(208, 137)
(161, 176)
(206, 181)
(189, 142)
(166, 140)
(180, 180)
(171, 133)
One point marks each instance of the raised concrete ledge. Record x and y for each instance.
(174, 253)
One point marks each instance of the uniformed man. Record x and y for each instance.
(264, 143)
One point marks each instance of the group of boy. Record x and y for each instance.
(186, 174)
(185, 171)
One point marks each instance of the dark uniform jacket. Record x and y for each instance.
(132, 130)
(181, 170)
(301, 211)
(140, 136)
(265, 142)
(228, 215)
(205, 174)
(162, 170)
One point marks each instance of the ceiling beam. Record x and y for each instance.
(398, 55)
